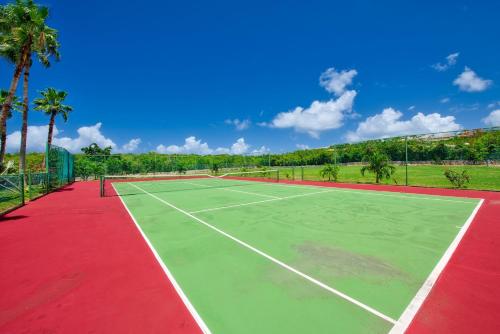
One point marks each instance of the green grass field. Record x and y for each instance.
(482, 177)
(254, 257)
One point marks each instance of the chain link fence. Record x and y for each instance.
(419, 160)
(16, 189)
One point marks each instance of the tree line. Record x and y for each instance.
(475, 147)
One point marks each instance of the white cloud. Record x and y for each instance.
(336, 82)
(192, 145)
(261, 151)
(494, 104)
(493, 119)
(469, 81)
(302, 146)
(86, 136)
(131, 146)
(319, 116)
(389, 123)
(411, 107)
(37, 137)
(450, 61)
(239, 125)
(240, 147)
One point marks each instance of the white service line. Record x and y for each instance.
(204, 328)
(258, 202)
(233, 190)
(278, 262)
(409, 313)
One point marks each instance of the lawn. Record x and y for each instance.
(482, 177)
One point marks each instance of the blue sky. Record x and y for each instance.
(294, 74)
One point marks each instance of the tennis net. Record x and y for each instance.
(123, 185)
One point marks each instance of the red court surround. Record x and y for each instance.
(72, 262)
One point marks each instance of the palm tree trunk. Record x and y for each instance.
(8, 104)
(3, 137)
(51, 128)
(24, 128)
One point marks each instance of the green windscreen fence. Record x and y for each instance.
(60, 166)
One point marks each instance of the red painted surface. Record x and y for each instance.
(72, 262)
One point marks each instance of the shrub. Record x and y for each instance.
(457, 179)
(330, 171)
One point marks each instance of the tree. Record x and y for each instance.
(84, 168)
(180, 168)
(330, 171)
(214, 168)
(94, 149)
(379, 164)
(51, 103)
(16, 105)
(23, 32)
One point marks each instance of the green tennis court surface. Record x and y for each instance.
(255, 257)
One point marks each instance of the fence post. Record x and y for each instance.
(301, 173)
(101, 186)
(68, 164)
(293, 173)
(29, 185)
(21, 186)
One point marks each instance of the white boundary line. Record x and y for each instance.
(371, 192)
(276, 261)
(345, 190)
(411, 310)
(233, 190)
(258, 202)
(204, 328)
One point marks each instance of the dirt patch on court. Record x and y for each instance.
(329, 264)
(337, 262)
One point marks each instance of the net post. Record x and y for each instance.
(406, 160)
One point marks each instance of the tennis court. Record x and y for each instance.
(260, 257)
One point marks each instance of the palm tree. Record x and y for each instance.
(16, 105)
(330, 171)
(51, 103)
(378, 163)
(23, 32)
